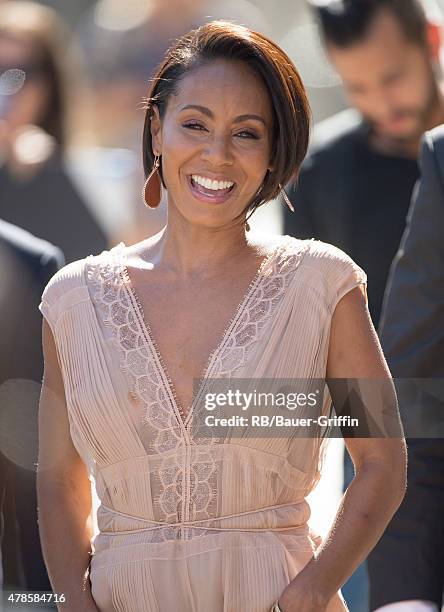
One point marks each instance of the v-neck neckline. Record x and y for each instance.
(182, 417)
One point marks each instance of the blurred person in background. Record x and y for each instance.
(36, 191)
(407, 563)
(365, 158)
(355, 186)
(26, 263)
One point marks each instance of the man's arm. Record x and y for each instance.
(412, 320)
(407, 562)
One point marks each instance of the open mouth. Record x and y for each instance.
(210, 188)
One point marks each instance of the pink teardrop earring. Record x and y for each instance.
(152, 189)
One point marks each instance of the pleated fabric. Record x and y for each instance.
(186, 522)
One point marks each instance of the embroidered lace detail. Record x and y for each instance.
(261, 307)
(159, 431)
(188, 475)
(137, 361)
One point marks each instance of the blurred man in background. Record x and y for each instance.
(355, 186)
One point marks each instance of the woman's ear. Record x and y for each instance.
(156, 130)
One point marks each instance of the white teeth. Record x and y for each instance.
(210, 184)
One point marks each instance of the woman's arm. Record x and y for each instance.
(379, 485)
(63, 491)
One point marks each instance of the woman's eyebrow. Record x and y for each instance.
(202, 109)
(250, 116)
(206, 111)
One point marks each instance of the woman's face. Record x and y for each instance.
(215, 142)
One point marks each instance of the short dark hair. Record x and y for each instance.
(290, 107)
(345, 22)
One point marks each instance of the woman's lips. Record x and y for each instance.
(210, 195)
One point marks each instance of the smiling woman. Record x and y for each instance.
(212, 154)
(271, 131)
(196, 519)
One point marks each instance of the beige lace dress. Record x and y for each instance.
(194, 524)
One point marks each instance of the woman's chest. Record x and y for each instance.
(168, 343)
(265, 335)
(189, 325)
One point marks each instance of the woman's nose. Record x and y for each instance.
(217, 151)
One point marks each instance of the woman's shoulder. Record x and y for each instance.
(327, 267)
(329, 255)
(68, 285)
(316, 252)
(66, 278)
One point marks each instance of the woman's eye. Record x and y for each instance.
(201, 128)
(193, 126)
(247, 134)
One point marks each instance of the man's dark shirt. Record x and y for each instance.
(353, 197)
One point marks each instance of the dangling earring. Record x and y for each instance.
(246, 224)
(152, 189)
(286, 198)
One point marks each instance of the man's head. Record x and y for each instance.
(384, 51)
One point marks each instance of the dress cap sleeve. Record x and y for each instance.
(339, 272)
(345, 275)
(53, 299)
